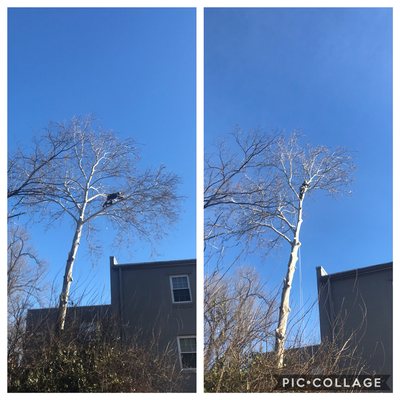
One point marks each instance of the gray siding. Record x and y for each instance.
(84, 324)
(360, 303)
(142, 301)
(44, 319)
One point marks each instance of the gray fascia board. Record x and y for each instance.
(356, 272)
(157, 264)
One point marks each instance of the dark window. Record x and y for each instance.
(187, 352)
(188, 360)
(180, 289)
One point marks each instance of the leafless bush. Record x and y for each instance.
(89, 357)
(240, 318)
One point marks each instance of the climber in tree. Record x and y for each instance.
(111, 197)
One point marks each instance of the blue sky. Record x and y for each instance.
(328, 73)
(134, 69)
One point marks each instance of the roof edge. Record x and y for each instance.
(358, 271)
(155, 264)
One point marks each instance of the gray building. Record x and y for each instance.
(153, 303)
(84, 321)
(358, 305)
(156, 301)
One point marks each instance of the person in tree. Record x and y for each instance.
(111, 197)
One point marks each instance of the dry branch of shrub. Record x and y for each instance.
(96, 361)
(240, 318)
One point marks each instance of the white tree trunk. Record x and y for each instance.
(284, 309)
(64, 296)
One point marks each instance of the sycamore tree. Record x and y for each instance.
(97, 177)
(256, 188)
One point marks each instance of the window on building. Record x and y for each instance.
(187, 351)
(180, 289)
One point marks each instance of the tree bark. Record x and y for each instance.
(64, 296)
(284, 309)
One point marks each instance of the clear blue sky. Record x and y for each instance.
(134, 69)
(328, 73)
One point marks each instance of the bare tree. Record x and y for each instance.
(264, 200)
(239, 316)
(24, 285)
(97, 177)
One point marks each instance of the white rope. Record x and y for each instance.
(301, 288)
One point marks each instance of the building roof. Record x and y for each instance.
(323, 275)
(153, 264)
(94, 307)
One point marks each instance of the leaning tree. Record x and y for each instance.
(97, 177)
(255, 189)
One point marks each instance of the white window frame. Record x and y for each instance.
(172, 289)
(180, 353)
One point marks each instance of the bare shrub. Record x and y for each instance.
(90, 360)
(240, 317)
